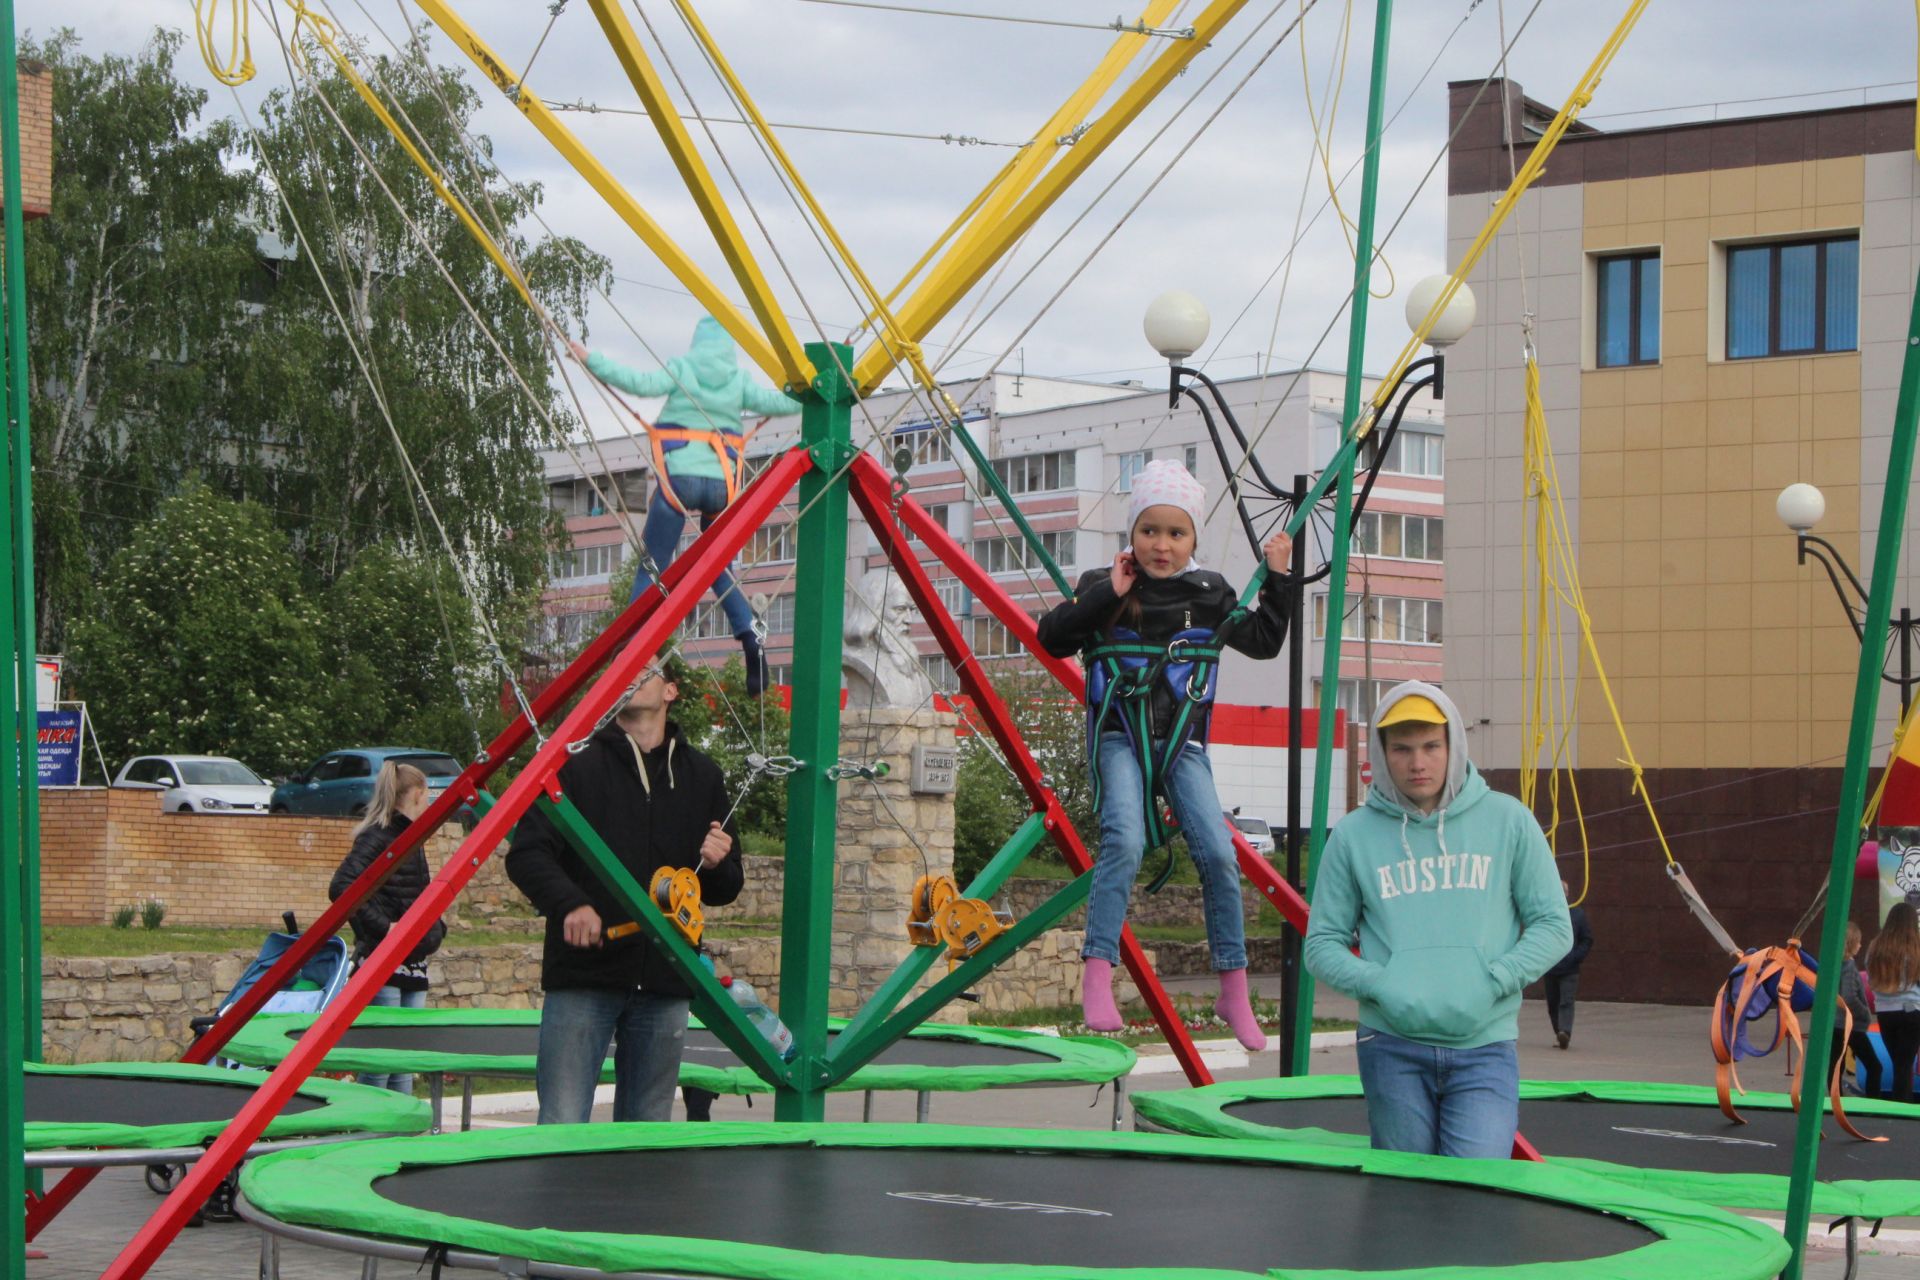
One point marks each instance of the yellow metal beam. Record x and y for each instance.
(701, 186)
(587, 165)
(966, 263)
(1019, 173)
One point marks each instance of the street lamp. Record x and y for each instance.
(1177, 325)
(1801, 507)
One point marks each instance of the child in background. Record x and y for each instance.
(1853, 992)
(1893, 967)
(1154, 592)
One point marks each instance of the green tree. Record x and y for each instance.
(407, 659)
(988, 803)
(204, 640)
(134, 286)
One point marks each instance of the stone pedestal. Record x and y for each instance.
(889, 837)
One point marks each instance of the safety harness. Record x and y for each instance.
(1780, 979)
(729, 448)
(1122, 673)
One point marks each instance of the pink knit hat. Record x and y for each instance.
(1165, 483)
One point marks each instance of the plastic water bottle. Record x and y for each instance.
(762, 1017)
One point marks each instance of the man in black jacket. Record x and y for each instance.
(1563, 980)
(656, 802)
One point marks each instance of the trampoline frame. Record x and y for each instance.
(338, 1192)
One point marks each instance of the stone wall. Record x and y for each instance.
(137, 1008)
(103, 848)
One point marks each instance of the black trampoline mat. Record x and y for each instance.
(501, 1040)
(1652, 1135)
(130, 1100)
(1040, 1208)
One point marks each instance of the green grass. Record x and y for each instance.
(1196, 1012)
(758, 844)
(105, 940)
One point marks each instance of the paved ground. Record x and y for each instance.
(1612, 1042)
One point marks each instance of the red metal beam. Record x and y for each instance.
(461, 790)
(873, 491)
(703, 562)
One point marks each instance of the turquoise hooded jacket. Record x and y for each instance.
(1456, 910)
(706, 389)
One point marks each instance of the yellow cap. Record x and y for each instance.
(1412, 709)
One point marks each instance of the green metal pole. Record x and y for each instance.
(15, 272)
(1853, 796)
(806, 921)
(13, 922)
(1343, 503)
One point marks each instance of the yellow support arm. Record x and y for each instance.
(795, 370)
(588, 166)
(1019, 173)
(968, 261)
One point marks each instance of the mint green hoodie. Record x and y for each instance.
(1457, 910)
(706, 390)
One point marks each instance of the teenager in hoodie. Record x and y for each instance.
(1156, 591)
(707, 392)
(656, 802)
(1453, 892)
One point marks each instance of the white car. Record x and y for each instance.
(1258, 833)
(198, 784)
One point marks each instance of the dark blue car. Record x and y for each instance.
(340, 783)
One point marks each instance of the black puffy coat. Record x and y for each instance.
(1168, 606)
(385, 905)
(646, 828)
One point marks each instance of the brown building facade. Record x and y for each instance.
(1720, 310)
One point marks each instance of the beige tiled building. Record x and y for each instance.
(1719, 310)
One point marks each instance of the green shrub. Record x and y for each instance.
(123, 916)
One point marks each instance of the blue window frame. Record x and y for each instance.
(1794, 298)
(1627, 310)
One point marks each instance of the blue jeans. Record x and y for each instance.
(647, 1031)
(661, 538)
(1438, 1101)
(1123, 843)
(393, 998)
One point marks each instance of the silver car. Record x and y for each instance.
(198, 784)
(1257, 831)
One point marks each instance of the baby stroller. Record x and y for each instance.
(321, 979)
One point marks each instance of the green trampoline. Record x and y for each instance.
(860, 1202)
(148, 1113)
(503, 1042)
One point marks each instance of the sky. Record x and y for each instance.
(1217, 223)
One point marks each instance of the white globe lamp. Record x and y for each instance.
(1800, 507)
(1177, 324)
(1453, 322)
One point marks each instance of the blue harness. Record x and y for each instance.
(1122, 674)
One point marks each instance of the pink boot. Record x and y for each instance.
(1233, 1008)
(1096, 996)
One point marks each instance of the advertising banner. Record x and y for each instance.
(60, 748)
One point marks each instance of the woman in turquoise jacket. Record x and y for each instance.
(697, 448)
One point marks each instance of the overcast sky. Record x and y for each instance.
(1220, 222)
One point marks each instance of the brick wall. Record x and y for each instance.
(36, 139)
(101, 848)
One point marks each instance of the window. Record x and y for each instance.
(1795, 298)
(1414, 453)
(1627, 310)
(709, 622)
(1035, 472)
(1130, 465)
(1403, 537)
(779, 615)
(586, 562)
(955, 597)
(929, 444)
(1390, 619)
(1352, 691)
(355, 767)
(327, 770)
(564, 631)
(1014, 554)
(770, 544)
(938, 513)
(939, 672)
(1190, 459)
(992, 640)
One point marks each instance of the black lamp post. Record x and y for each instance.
(1176, 325)
(1800, 507)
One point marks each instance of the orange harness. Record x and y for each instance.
(729, 448)
(1787, 964)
